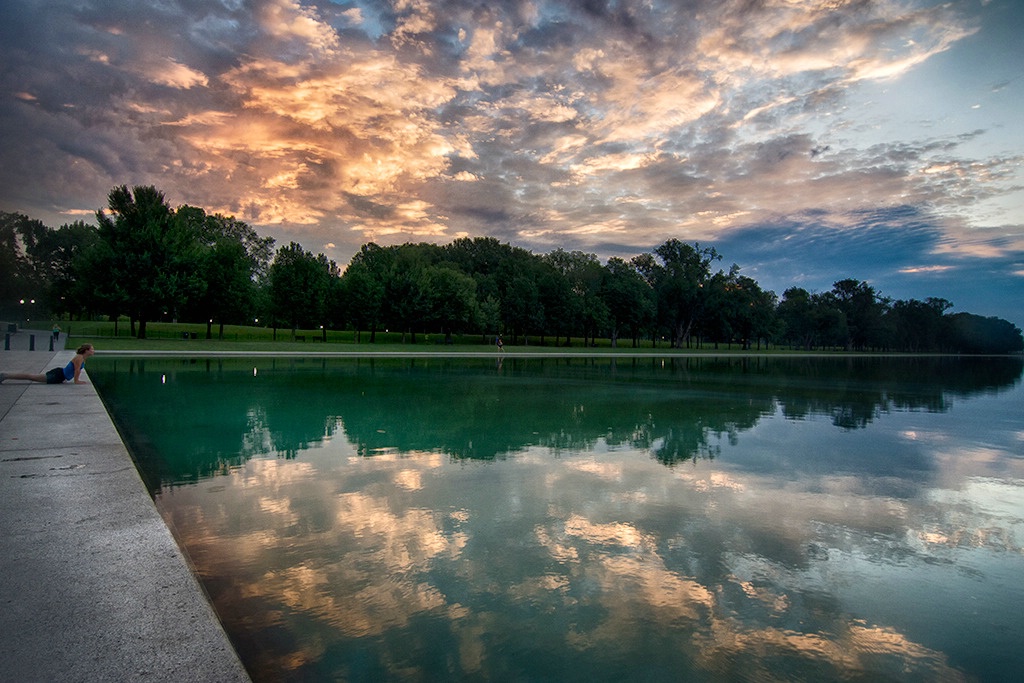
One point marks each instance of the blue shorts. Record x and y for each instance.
(55, 376)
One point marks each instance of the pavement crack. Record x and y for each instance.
(33, 457)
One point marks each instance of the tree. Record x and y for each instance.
(864, 311)
(362, 297)
(488, 315)
(919, 325)
(720, 310)
(377, 264)
(563, 311)
(830, 322)
(680, 282)
(810, 320)
(18, 278)
(145, 262)
(228, 295)
(649, 269)
(54, 257)
(584, 274)
(521, 307)
(298, 286)
(765, 323)
(449, 298)
(795, 315)
(212, 228)
(480, 258)
(628, 299)
(750, 310)
(477, 256)
(518, 294)
(976, 334)
(403, 300)
(232, 258)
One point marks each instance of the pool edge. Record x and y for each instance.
(95, 586)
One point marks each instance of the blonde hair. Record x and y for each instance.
(83, 348)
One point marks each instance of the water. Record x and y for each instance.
(592, 519)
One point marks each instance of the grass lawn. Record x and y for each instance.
(191, 338)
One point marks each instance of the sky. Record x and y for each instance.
(808, 141)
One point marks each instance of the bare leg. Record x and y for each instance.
(22, 375)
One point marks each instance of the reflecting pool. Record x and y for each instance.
(580, 519)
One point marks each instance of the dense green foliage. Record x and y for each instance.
(149, 262)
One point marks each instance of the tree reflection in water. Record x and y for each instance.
(675, 407)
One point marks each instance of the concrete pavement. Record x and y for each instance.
(93, 586)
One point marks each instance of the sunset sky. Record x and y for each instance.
(808, 141)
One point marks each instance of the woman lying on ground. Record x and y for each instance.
(68, 373)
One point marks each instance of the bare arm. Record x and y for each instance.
(78, 361)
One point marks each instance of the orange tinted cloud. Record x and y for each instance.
(606, 128)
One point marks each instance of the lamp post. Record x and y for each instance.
(27, 311)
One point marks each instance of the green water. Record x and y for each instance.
(578, 519)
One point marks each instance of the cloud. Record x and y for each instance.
(286, 23)
(174, 75)
(600, 126)
(925, 269)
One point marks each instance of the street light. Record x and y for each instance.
(31, 303)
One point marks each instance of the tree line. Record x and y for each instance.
(147, 261)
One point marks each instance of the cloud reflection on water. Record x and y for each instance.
(706, 552)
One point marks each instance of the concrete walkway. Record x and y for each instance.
(93, 586)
